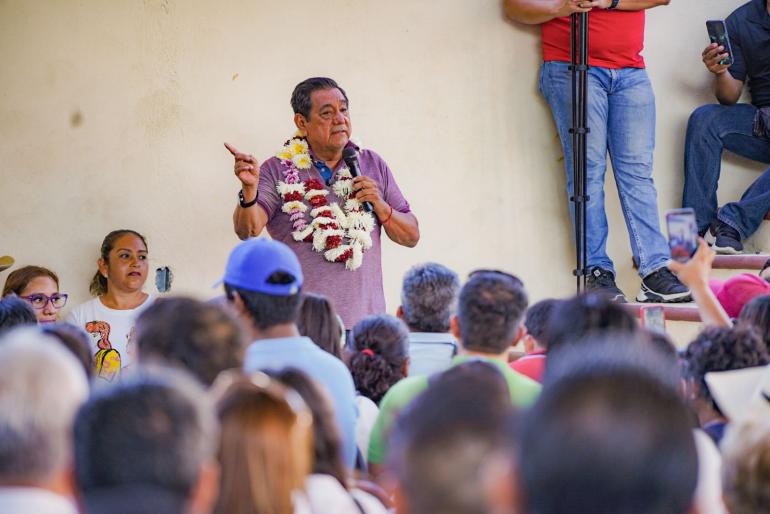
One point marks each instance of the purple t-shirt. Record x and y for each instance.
(355, 294)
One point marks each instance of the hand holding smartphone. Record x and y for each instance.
(682, 233)
(717, 30)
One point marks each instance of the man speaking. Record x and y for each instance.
(329, 210)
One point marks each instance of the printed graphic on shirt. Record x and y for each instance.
(106, 359)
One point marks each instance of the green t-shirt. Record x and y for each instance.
(524, 392)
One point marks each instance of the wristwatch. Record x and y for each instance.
(614, 4)
(242, 201)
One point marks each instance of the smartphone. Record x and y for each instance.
(682, 233)
(653, 318)
(717, 30)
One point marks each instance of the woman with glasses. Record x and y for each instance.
(39, 287)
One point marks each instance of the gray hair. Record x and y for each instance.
(41, 387)
(159, 416)
(429, 297)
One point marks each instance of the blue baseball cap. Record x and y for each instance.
(253, 261)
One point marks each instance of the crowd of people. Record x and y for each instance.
(294, 393)
(260, 402)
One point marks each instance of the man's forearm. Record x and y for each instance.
(532, 12)
(727, 89)
(249, 221)
(402, 228)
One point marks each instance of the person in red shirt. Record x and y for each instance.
(621, 119)
(535, 343)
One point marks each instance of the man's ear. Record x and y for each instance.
(520, 332)
(301, 123)
(528, 342)
(400, 312)
(206, 489)
(454, 327)
(399, 500)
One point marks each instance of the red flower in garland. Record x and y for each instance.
(347, 254)
(325, 226)
(318, 201)
(333, 242)
(314, 183)
(295, 196)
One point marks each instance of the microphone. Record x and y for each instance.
(350, 156)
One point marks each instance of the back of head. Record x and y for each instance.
(196, 336)
(149, 435)
(265, 446)
(379, 351)
(722, 349)
(74, 339)
(41, 387)
(429, 297)
(267, 277)
(537, 319)
(318, 320)
(756, 313)
(607, 441)
(584, 315)
(613, 350)
(14, 312)
(441, 441)
(746, 465)
(490, 311)
(327, 443)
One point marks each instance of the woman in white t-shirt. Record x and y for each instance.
(117, 285)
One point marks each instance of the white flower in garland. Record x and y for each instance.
(342, 234)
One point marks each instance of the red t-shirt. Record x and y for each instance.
(531, 365)
(615, 39)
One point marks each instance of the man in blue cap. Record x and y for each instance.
(263, 280)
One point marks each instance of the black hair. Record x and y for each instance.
(490, 311)
(13, 312)
(76, 340)
(604, 441)
(441, 440)
(156, 422)
(584, 315)
(199, 337)
(379, 347)
(537, 318)
(722, 349)
(300, 98)
(267, 310)
(756, 313)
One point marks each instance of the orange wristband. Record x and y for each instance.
(390, 215)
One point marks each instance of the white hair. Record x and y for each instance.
(41, 387)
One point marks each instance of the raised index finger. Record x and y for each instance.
(233, 150)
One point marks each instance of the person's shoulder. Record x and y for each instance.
(524, 390)
(84, 308)
(740, 15)
(403, 391)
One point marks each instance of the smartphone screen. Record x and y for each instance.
(718, 34)
(653, 318)
(682, 233)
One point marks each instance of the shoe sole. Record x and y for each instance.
(647, 296)
(726, 250)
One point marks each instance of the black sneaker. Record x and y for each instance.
(603, 281)
(662, 286)
(724, 239)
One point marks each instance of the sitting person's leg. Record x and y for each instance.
(711, 129)
(742, 218)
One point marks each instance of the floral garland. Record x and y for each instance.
(342, 234)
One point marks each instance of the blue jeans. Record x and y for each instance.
(711, 129)
(621, 117)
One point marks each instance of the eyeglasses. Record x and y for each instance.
(39, 301)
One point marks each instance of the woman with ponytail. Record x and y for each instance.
(378, 357)
(117, 285)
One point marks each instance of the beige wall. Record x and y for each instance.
(113, 114)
